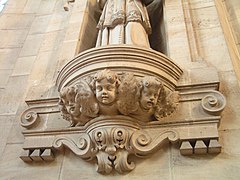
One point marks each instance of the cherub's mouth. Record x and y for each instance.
(150, 103)
(104, 97)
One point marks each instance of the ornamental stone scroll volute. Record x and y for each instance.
(117, 100)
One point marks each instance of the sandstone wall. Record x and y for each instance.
(37, 37)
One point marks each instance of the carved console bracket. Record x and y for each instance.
(122, 101)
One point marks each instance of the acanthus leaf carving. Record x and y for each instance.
(104, 165)
(111, 146)
(122, 163)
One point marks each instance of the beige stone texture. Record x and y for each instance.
(37, 37)
(15, 6)
(46, 7)
(5, 127)
(13, 95)
(58, 21)
(158, 163)
(23, 66)
(13, 38)
(31, 45)
(31, 6)
(178, 47)
(51, 40)
(39, 24)
(16, 21)
(8, 58)
(230, 88)
(4, 76)
(12, 167)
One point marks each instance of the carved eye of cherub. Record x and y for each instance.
(110, 88)
(99, 88)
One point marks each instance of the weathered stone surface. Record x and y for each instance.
(158, 163)
(31, 45)
(50, 24)
(23, 66)
(31, 6)
(230, 88)
(51, 40)
(40, 24)
(13, 38)
(8, 58)
(57, 22)
(5, 127)
(15, 6)
(12, 167)
(222, 166)
(16, 21)
(4, 76)
(46, 7)
(13, 95)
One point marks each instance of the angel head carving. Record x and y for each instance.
(105, 85)
(156, 99)
(86, 100)
(68, 105)
(78, 103)
(139, 98)
(144, 99)
(150, 92)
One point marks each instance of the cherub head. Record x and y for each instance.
(67, 96)
(105, 85)
(150, 92)
(86, 100)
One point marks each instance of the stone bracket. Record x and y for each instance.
(30, 117)
(127, 118)
(111, 140)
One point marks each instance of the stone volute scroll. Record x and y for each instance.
(122, 98)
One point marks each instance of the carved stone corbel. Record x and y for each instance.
(130, 106)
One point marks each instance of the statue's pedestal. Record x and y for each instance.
(112, 138)
(122, 59)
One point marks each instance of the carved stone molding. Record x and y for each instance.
(121, 59)
(30, 117)
(123, 101)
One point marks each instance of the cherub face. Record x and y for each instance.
(149, 97)
(70, 104)
(105, 91)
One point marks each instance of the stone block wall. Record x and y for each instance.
(37, 37)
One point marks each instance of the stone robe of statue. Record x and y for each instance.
(124, 22)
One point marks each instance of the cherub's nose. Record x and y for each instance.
(151, 98)
(104, 91)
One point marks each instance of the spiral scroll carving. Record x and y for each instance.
(81, 147)
(29, 118)
(143, 139)
(213, 103)
(143, 144)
